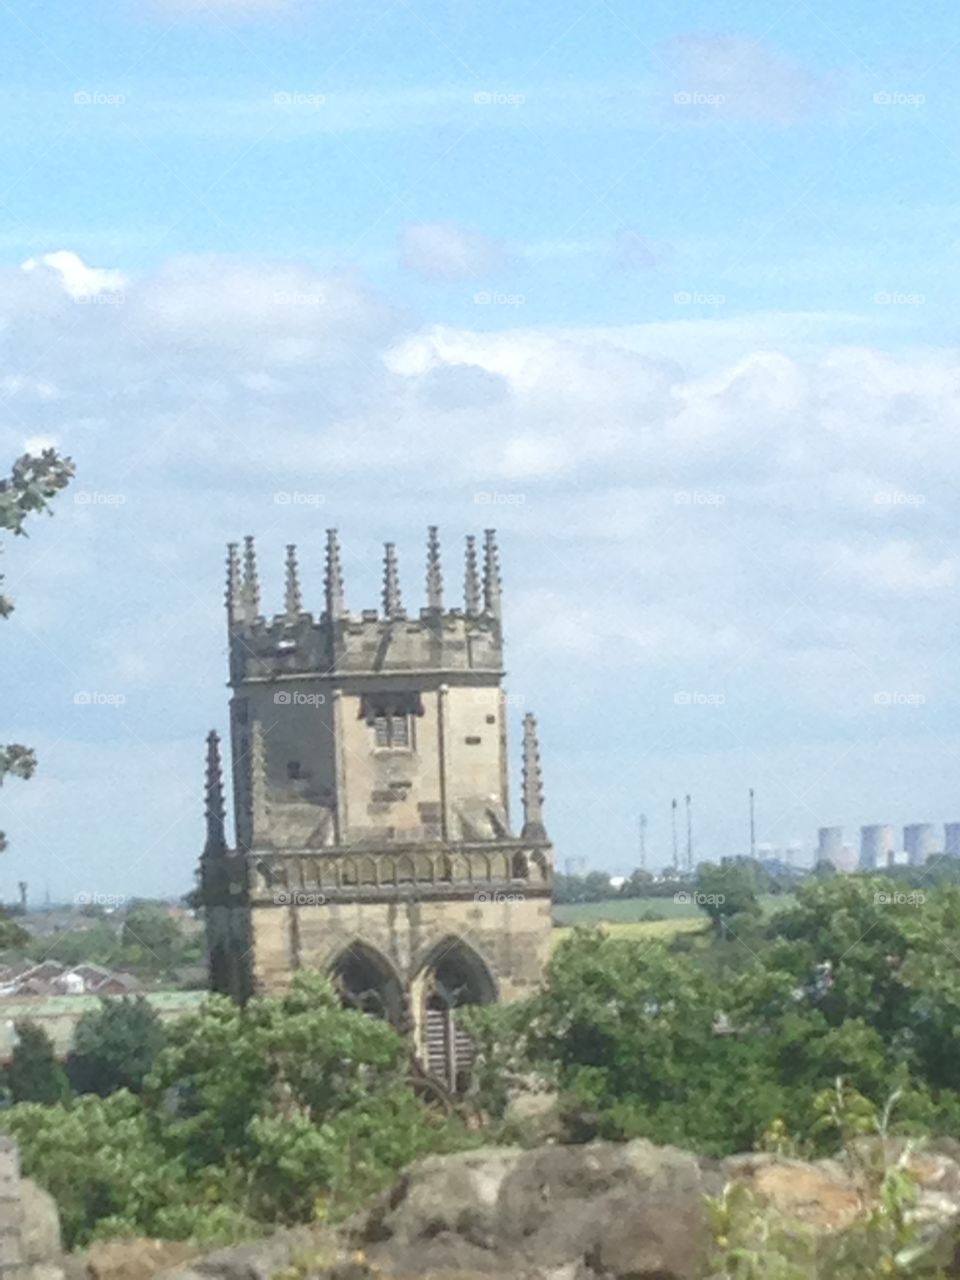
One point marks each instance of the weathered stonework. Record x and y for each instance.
(370, 788)
(30, 1247)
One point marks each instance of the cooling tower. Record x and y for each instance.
(920, 841)
(830, 845)
(878, 845)
(951, 842)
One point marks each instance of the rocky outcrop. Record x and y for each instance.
(602, 1211)
(557, 1212)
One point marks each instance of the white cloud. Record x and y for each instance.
(446, 251)
(78, 280)
(723, 507)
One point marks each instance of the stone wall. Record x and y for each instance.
(509, 932)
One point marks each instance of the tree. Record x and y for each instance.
(303, 1098)
(32, 483)
(115, 1046)
(33, 1073)
(149, 931)
(724, 892)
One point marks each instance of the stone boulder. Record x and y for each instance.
(39, 1225)
(554, 1213)
(602, 1211)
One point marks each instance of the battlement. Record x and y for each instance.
(337, 643)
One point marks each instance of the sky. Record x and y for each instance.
(666, 292)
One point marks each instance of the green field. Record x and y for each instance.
(624, 916)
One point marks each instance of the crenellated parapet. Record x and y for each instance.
(336, 642)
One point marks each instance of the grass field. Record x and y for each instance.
(622, 917)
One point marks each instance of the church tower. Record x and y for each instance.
(370, 785)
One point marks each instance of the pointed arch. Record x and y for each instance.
(368, 982)
(368, 871)
(452, 974)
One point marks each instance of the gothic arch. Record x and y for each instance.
(367, 981)
(451, 975)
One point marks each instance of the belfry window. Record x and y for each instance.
(391, 716)
(391, 731)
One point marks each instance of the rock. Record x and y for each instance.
(311, 1248)
(39, 1224)
(821, 1195)
(135, 1259)
(602, 1211)
(555, 1213)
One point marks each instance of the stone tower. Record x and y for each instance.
(370, 786)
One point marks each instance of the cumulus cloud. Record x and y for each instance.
(748, 525)
(77, 279)
(446, 251)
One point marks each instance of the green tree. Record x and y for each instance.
(31, 485)
(151, 936)
(33, 1073)
(726, 891)
(115, 1046)
(309, 1100)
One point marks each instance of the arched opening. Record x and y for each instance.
(454, 976)
(366, 981)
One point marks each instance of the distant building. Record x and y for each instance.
(830, 846)
(878, 844)
(50, 978)
(920, 841)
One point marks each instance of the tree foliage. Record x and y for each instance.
(285, 1109)
(857, 978)
(32, 483)
(33, 1073)
(115, 1046)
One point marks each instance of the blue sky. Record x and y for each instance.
(665, 291)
